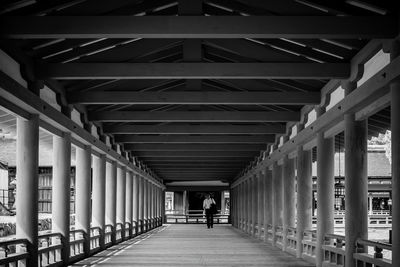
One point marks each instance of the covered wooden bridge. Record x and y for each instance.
(156, 95)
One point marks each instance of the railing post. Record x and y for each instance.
(82, 199)
(111, 197)
(27, 199)
(61, 192)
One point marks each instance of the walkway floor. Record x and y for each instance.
(193, 245)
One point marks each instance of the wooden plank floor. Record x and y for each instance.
(193, 245)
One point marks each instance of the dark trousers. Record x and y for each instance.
(210, 218)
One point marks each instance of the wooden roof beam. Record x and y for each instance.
(314, 27)
(194, 139)
(83, 71)
(195, 154)
(196, 98)
(194, 116)
(194, 147)
(194, 129)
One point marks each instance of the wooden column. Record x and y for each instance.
(111, 196)
(99, 195)
(164, 219)
(304, 196)
(240, 203)
(356, 181)
(145, 205)
(268, 204)
(61, 191)
(260, 205)
(141, 204)
(121, 192)
(395, 128)
(325, 189)
(27, 184)
(277, 199)
(289, 197)
(249, 205)
(129, 201)
(254, 204)
(83, 193)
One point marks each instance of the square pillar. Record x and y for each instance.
(129, 202)
(121, 192)
(136, 202)
(289, 197)
(277, 199)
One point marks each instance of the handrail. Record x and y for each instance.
(365, 242)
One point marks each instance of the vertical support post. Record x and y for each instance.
(121, 192)
(152, 202)
(222, 202)
(111, 196)
(289, 197)
(356, 182)
(325, 189)
(277, 200)
(61, 192)
(82, 199)
(98, 197)
(136, 202)
(254, 202)
(240, 204)
(27, 182)
(129, 202)
(261, 208)
(164, 219)
(141, 204)
(395, 128)
(304, 196)
(145, 205)
(249, 209)
(268, 215)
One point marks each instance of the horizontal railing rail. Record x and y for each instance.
(108, 232)
(195, 218)
(291, 240)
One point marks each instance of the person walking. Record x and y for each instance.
(208, 210)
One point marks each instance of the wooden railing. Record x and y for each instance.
(375, 220)
(269, 232)
(196, 218)
(14, 252)
(76, 243)
(309, 245)
(50, 249)
(127, 230)
(108, 232)
(135, 228)
(291, 240)
(333, 250)
(377, 259)
(279, 236)
(95, 239)
(118, 232)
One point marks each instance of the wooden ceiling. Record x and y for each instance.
(193, 89)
